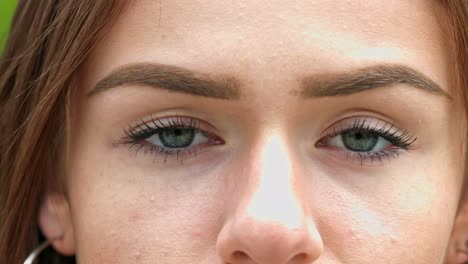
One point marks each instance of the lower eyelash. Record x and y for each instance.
(159, 152)
(381, 157)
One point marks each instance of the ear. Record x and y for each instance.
(55, 223)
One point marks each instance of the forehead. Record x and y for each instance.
(270, 36)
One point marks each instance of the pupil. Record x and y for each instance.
(358, 135)
(177, 137)
(177, 132)
(360, 141)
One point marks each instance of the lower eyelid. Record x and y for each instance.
(166, 156)
(365, 159)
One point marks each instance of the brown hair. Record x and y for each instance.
(48, 42)
(455, 25)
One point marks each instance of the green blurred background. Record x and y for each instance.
(7, 7)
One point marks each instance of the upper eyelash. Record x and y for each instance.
(400, 138)
(142, 130)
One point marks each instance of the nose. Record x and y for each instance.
(270, 224)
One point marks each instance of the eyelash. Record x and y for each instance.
(401, 140)
(136, 136)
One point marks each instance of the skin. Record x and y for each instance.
(269, 193)
(457, 252)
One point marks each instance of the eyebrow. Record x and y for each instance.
(171, 78)
(177, 79)
(367, 79)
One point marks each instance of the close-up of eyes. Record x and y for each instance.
(177, 138)
(367, 140)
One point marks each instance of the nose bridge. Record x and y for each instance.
(274, 199)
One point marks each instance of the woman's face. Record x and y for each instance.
(264, 132)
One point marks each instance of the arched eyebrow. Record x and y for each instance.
(181, 80)
(368, 78)
(171, 78)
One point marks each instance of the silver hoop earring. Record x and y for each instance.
(36, 252)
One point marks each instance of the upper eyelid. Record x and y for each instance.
(155, 122)
(386, 129)
(348, 123)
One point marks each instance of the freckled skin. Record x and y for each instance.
(268, 195)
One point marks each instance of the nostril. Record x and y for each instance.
(239, 255)
(299, 258)
(466, 244)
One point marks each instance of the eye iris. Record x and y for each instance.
(360, 141)
(177, 137)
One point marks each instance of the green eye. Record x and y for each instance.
(366, 139)
(177, 137)
(360, 141)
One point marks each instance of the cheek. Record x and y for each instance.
(407, 219)
(127, 218)
(359, 234)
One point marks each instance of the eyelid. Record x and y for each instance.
(363, 121)
(154, 122)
